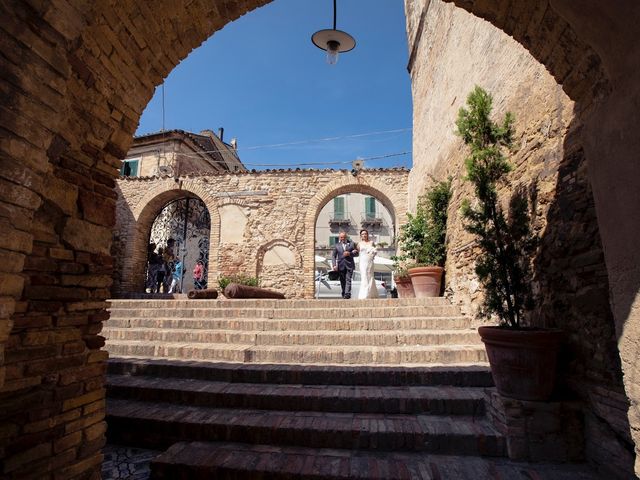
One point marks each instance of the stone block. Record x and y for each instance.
(12, 262)
(87, 465)
(87, 237)
(83, 399)
(97, 209)
(61, 253)
(95, 431)
(31, 455)
(62, 194)
(85, 422)
(15, 240)
(11, 285)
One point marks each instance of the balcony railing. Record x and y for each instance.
(368, 219)
(340, 218)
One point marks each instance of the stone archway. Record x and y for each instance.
(76, 78)
(131, 266)
(394, 201)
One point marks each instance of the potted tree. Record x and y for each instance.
(422, 240)
(522, 359)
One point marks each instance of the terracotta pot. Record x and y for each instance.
(426, 281)
(523, 362)
(405, 288)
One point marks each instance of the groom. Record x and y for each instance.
(343, 262)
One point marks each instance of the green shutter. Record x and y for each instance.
(338, 208)
(134, 168)
(333, 240)
(370, 207)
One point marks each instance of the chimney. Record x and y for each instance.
(221, 133)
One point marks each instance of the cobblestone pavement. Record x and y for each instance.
(127, 463)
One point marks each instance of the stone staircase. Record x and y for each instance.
(380, 332)
(304, 389)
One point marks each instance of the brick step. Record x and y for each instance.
(263, 324)
(184, 351)
(357, 355)
(180, 301)
(368, 312)
(310, 338)
(441, 400)
(159, 425)
(237, 461)
(439, 354)
(471, 376)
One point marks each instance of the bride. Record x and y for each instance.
(368, 252)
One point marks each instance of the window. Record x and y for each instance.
(333, 239)
(338, 208)
(370, 207)
(129, 167)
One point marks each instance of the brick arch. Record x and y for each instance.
(144, 214)
(395, 202)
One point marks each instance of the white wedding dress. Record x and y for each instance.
(367, 282)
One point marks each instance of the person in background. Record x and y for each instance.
(169, 258)
(161, 270)
(198, 275)
(176, 278)
(152, 268)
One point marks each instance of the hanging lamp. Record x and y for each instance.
(333, 41)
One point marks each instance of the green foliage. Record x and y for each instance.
(242, 279)
(506, 241)
(423, 238)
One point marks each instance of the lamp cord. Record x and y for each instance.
(334, 14)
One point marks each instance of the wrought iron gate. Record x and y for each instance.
(187, 222)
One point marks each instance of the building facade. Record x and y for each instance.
(178, 152)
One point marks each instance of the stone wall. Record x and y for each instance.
(454, 52)
(262, 223)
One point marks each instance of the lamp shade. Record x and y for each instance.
(322, 38)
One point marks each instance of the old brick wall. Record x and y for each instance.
(454, 52)
(269, 209)
(74, 77)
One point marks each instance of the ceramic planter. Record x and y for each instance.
(523, 362)
(405, 288)
(426, 281)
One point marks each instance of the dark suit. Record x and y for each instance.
(346, 265)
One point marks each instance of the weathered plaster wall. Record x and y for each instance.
(452, 52)
(255, 219)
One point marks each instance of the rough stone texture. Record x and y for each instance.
(271, 210)
(538, 431)
(451, 52)
(75, 78)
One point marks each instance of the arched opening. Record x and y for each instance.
(350, 213)
(182, 230)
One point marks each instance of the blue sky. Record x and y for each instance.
(263, 80)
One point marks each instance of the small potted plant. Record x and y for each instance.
(522, 359)
(423, 240)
